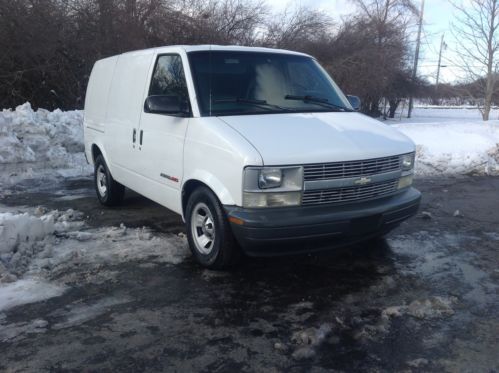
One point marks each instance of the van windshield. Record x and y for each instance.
(240, 83)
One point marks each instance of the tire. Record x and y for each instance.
(109, 191)
(208, 231)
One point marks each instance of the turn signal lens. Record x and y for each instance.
(405, 181)
(271, 199)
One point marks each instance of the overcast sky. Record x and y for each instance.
(438, 15)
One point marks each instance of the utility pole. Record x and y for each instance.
(442, 46)
(416, 57)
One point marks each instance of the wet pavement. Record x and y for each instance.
(424, 299)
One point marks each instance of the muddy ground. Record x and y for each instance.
(424, 299)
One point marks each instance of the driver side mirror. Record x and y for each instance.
(354, 101)
(169, 105)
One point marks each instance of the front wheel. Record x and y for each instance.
(109, 191)
(208, 231)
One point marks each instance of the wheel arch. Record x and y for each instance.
(95, 151)
(213, 184)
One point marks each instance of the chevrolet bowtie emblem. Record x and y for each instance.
(363, 181)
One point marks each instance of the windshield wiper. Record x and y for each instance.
(317, 100)
(260, 103)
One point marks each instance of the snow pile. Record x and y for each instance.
(23, 236)
(454, 147)
(22, 229)
(39, 143)
(37, 247)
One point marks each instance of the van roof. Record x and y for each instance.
(205, 47)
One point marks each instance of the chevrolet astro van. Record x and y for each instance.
(257, 149)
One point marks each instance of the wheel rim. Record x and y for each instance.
(101, 180)
(203, 228)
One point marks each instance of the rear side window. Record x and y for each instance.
(168, 78)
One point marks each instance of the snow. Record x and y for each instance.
(17, 229)
(24, 235)
(433, 307)
(47, 144)
(452, 141)
(455, 148)
(37, 246)
(41, 143)
(429, 113)
(27, 291)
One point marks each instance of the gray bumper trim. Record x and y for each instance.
(298, 229)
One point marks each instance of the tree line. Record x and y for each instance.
(49, 46)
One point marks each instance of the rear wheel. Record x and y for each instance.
(109, 191)
(208, 231)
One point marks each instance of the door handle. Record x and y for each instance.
(141, 135)
(134, 136)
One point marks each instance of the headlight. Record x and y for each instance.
(272, 186)
(269, 178)
(407, 162)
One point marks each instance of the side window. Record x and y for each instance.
(168, 78)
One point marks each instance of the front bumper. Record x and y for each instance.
(278, 231)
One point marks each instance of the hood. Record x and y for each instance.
(300, 138)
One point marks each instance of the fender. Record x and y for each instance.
(223, 194)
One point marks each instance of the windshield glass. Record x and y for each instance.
(238, 83)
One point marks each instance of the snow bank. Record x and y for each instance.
(449, 113)
(40, 143)
(454, 147)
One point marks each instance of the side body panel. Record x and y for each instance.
(216, 155)
(160, 158)
(96, 101)
(123, 114)
(161, 150)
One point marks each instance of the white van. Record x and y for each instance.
(258, 150)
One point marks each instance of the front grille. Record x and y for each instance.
(350, 194)
(341, 170)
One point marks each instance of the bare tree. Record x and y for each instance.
(296, 27)
(49, 46)
(377, 39)
(477, 47)
(384, 12)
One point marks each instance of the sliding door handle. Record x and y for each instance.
(141, 135)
